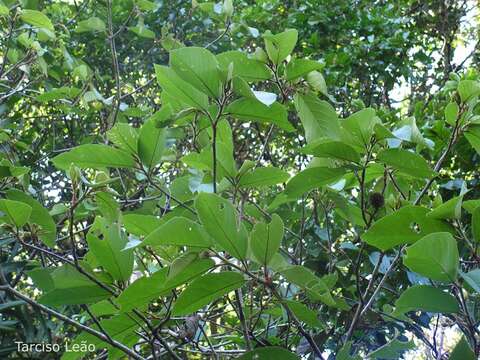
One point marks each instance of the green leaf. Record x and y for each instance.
(344, 353)
(451, 113)
(359, 127)
(307, 280)
(265, 239)
(269, 353)
(220, 220)
(318, 118)
(107, 241)
(151, 143)
(279, 46)
(14, 212)
(317, 82)
(244, 67)
(392, 350)
(37, 19)
(198, 67)
(312, 178)
(472, 278)
(205, 289)
(146, 289)
(94, 156)
(334, 150)
(69, 287)
(304, 314)
(476, 224)
(91, 24)
(39, 216)
(300, 67)
(180, 89)
(4, 11)
(253, 110)
(434, 256)
(473, 137)
(404, 226)
(468, 89)
(140, 225)
(406, 162)
(263, 176)
(124, 136)
(178, 231)
(452, 209)
(425, 298)
(462, 351)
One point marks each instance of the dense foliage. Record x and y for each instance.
(186, 180)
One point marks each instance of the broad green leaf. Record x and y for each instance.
(472, 278)
(220, 220)
(359, 127)
(253, 110)
(39, 216)
(124, 136)
(462, 351)
(205, 289)
(425, 298)
(451, 113)
(434, 256)
(471, 205)
(468, 89)
(119, 327)
(107, 206)
(300, 67)
(317, 82)
(344, 353)
(279, 46)
(269, 353)
(452, 209)
(392, 350)
(178, 231)
(37, 19)
(74, 296)
(304, 314)
(263, 176)
(14, 212)
(307, 280)
(266, 238)
(107, 242)
(244, 67)
(140, 225)
(94, 156)
(90, 24)
(63, 92)
(198, 67)
(70, 287)
(406, 162)
(180, 89)
(318, 118)
(312, 178)
(146, 289)
(333, 149)
(473, 137)
(146, 5)
(3, 9)
(141, 30)
(404, 226)
(476, 224)
(151, 143)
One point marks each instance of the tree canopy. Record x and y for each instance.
(244, 179)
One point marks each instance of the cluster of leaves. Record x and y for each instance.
(230, 211)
